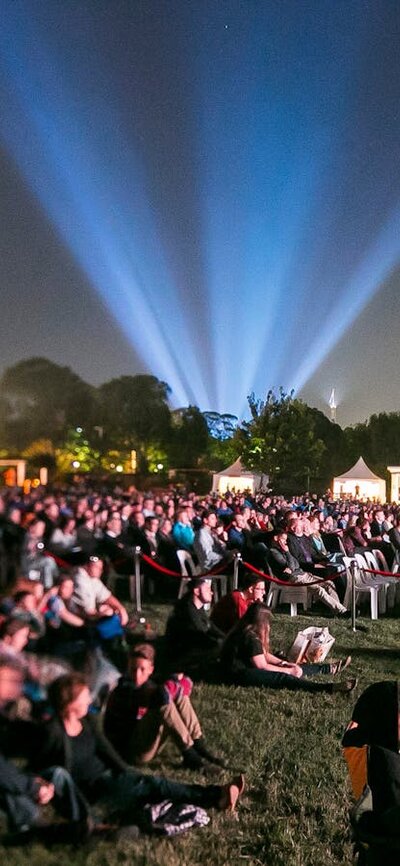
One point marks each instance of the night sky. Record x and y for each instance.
(208, 191)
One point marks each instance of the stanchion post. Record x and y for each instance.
(138, 586)
(237, 558)
(353, 568)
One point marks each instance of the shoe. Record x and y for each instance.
(341, 665)
(192, 760)
(346, 686)
(202, 750)
(230, 794)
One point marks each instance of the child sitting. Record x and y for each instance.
(141, 714)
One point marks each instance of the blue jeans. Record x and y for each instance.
(23, 812)
(128, 792)
(274, 680)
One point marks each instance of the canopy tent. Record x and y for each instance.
(237, 479)
(360, 482)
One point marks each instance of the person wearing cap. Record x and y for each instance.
(91, 599)
(190, 633)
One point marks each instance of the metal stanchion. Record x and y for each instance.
(353, 568)
(237, 558)
(138, 586)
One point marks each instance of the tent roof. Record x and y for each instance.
(360, 472)
(236, 470)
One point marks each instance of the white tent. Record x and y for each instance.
(237, 479)
(360, 482)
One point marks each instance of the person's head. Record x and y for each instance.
(36, 529)
(94, 567)
(65, 587)
(297, 527)
(375, 719)
(25, 600)
(182, 517)
(379, 515)
(11, 681)
(201, 590)
(14, 515)
(70, 696)
(209, 518)
(254, 587)
(280, 539)
(52, 511)
(165, 526)
(15, 634)
(151, 524)
(138, 519)
(239, 521)
(67, 524)
(114, 523)
(141, 663)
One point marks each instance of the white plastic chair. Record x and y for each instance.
(292, 595)
(188, 569)
(364, 584)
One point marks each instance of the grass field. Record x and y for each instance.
(296, 804)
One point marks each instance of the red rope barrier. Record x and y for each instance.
(381, 573)
(274, 579)
(213, 573)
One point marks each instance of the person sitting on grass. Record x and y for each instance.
(247, 661)
(22, 795)
(232, 606)
(141, 714)
(190, 635)
(73, 739)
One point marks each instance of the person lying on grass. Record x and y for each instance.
(73, 740)
(141, 714)
(247, 661)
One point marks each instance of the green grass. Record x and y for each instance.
(296, 804)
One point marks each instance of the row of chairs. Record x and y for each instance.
(383, 591)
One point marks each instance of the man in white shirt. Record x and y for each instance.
(91, 599)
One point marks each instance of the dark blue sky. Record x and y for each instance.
(208, 191)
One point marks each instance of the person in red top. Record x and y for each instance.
(233, 606)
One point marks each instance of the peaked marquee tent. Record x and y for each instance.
(360, 482)
(236, 478)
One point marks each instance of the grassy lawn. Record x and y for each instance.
(295, 808)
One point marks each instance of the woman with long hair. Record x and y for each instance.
(247, 660)
(73, 740)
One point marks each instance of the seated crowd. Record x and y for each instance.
(83, 700)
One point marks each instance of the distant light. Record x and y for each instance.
(160, 465)
(112, 465)
(76, 464)
(119, 468)
(79, 430)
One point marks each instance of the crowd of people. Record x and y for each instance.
(85, 700)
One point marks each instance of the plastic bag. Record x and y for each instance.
(311, 645)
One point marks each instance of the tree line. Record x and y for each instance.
(50, 415)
